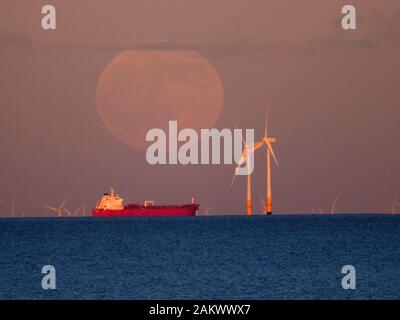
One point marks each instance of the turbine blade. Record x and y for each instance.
(51, 208)
(242, 157)
(63, 203)
(233, 179)
(266, 126)
(272, 152)
(243, 141)
(67, 211)
(258, 145)
(262, 203)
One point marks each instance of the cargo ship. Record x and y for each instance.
(112, 205)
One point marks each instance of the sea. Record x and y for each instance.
(203, 257)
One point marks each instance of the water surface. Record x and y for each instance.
(225, 257)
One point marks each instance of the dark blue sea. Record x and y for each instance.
(225, 257)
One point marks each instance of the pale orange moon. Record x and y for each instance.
(144, 89)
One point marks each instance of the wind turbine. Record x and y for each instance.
(333, 208)
(270, 153)
(73, 213)
(58, 210)
(262, 205)
(248, 149)
(395, 203)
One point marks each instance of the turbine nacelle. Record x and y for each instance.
(269, 140)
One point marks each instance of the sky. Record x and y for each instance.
(332, 97)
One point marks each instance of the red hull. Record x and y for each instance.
(154, 211)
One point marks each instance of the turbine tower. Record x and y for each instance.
(270, 153)
(249, 205)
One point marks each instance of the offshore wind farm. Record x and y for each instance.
(112, 204)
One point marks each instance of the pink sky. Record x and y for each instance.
(333, 98)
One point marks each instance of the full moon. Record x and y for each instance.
(144, 89)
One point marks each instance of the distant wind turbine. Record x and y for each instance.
(395, 203)
(59, 209)
(262, 205)
(333, 208)
(74, 213)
